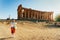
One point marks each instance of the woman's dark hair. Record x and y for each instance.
(12, 20)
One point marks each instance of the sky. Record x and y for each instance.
(9, 7)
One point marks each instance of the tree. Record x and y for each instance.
(58, 18)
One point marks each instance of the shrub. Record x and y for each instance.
(57, 18)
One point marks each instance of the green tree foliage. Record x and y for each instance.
(57, 18)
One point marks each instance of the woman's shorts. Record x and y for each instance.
(12, 30)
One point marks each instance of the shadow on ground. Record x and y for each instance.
(52, 26)
(5, 38)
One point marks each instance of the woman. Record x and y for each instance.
(13, 27)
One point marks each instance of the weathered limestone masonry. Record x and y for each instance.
(28, 13)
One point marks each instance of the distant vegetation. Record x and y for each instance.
(57, 18)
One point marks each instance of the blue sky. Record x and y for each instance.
(9, 7)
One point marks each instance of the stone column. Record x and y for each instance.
(40, 15)
(28, 14)
(37, 14)
(51, 16)
(47, 16)
(31, 14)
(25, 13)
(43, 16)
(34, 15)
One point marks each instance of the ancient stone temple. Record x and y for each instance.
(28, 13)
